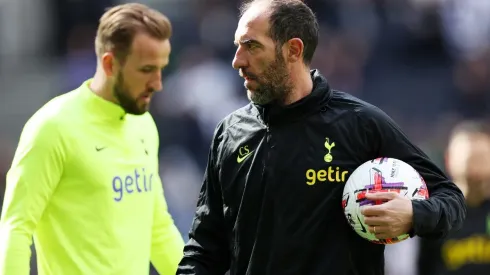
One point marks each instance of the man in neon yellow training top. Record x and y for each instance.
(84, 180)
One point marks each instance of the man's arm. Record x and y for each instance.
(35, 172)
(167, 245)
(445, 210)
(206, 252)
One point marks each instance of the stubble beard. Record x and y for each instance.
(121, 93)
(273, 86)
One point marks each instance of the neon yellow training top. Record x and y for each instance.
(84, 182)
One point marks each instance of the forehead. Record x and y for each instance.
(470, 144)
(254, 25)
(147, 49)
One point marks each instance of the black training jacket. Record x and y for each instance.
(271, 204)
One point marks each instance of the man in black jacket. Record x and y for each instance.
(270, 203)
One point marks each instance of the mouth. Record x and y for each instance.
(146, 97)
(247, 77)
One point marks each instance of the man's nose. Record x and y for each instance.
(158, 86)
(156, 83)
(239, 60)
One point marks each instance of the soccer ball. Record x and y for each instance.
(380, 175)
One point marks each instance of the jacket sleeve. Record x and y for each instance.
(33, 177)
(445, 210)
(206, 252)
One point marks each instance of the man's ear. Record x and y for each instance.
(295, 48)
(109, 63)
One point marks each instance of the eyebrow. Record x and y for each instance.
(247, 42)
(152, 67)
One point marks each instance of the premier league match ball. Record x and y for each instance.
(380, 175)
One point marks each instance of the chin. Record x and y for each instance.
(251, 90)
(250, 94)
(138, 111)
(143, 111)
(249, 85)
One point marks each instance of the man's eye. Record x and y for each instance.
(147, 70)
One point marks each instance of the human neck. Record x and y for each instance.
(101, 87)
(302, 85)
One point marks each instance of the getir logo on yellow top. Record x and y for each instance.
(330, 173)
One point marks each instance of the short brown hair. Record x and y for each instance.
(119, 25)
(476, 126)
(290, 19)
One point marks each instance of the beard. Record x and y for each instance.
(272, 85)
(122, 94)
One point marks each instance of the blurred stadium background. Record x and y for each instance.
(425, 62)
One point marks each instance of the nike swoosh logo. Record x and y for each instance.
(240, 159)
(99, 148)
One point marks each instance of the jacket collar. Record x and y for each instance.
(316, 101)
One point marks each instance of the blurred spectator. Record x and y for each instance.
(466, 251)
